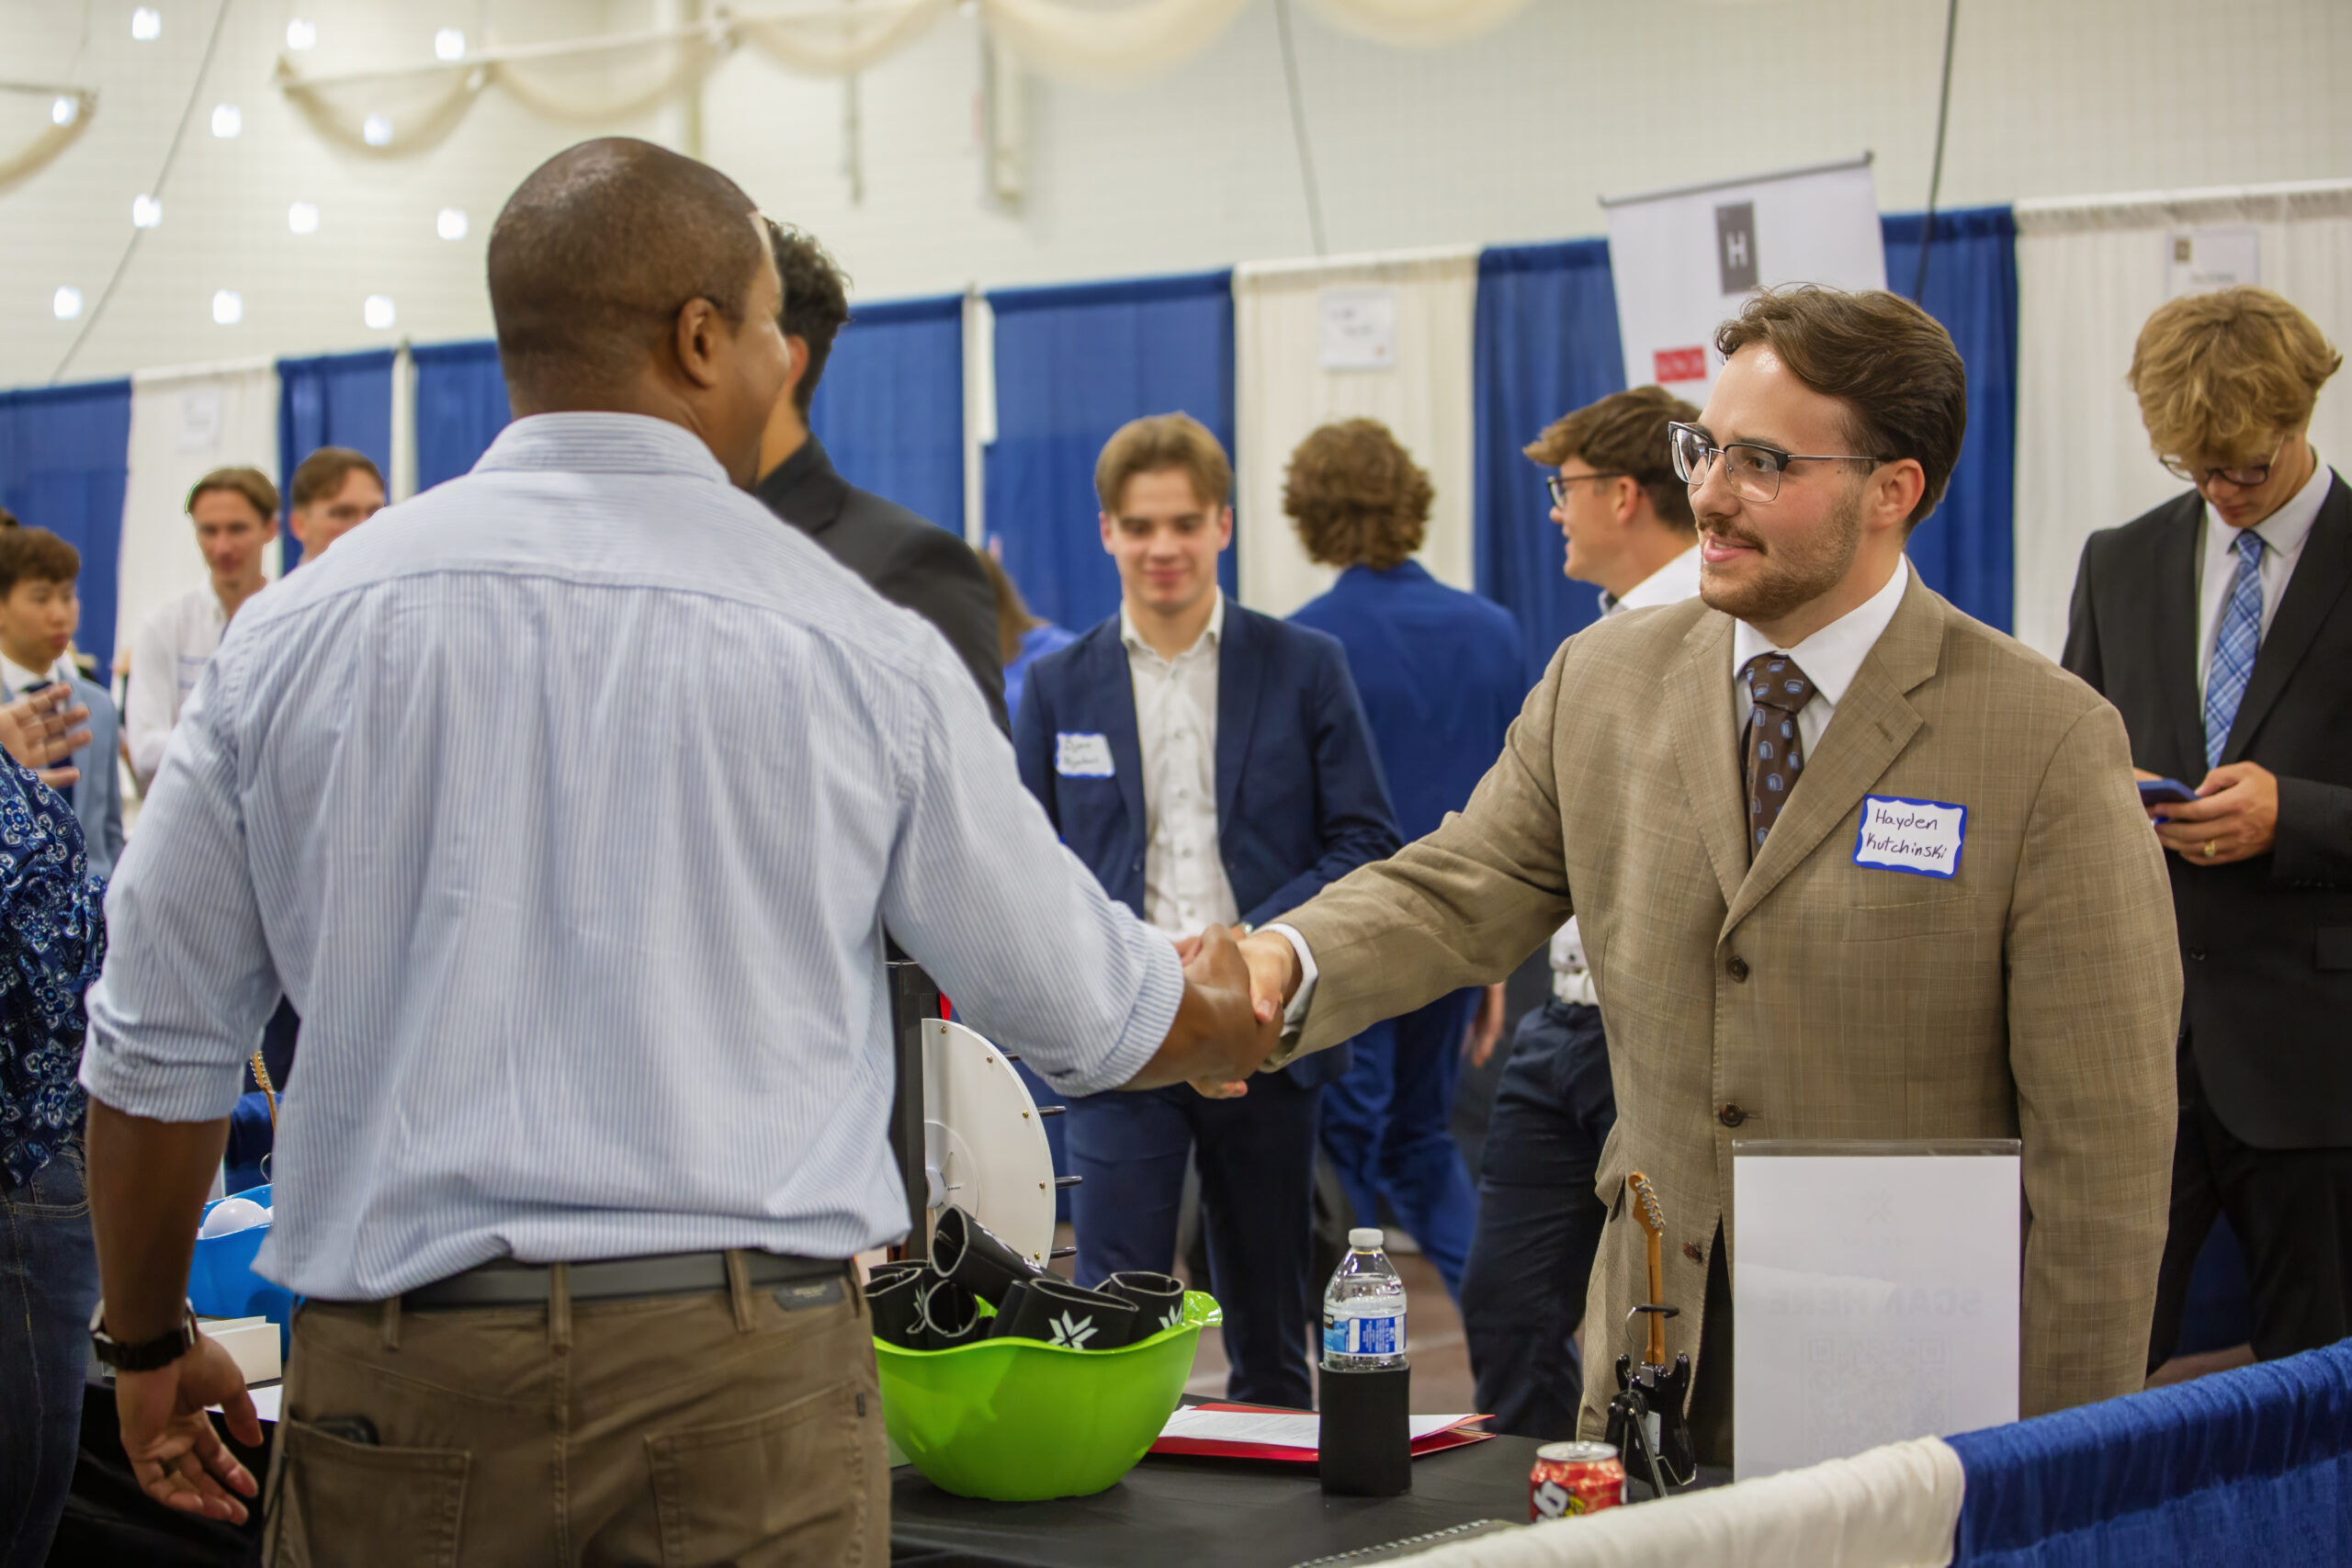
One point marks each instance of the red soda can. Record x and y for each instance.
(1574, 1478)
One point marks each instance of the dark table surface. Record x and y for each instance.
(1232, 1513)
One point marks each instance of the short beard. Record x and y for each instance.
(1793, 575)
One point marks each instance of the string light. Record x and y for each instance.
(66, 303)
(227, 121)
(228, 307)
(378, 313)
(450, 43)
(64, 111)
(146, 24)
(450, 223)
(301, 34)
(303, 218)
(375, 130)
(146, 212)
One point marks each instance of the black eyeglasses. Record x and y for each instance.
(1558, 483)
(2245, 478)
(1752, 471)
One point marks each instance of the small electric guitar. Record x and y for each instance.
(1652, 1219)
(1647, 1414)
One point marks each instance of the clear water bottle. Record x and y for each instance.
(1364, 1309)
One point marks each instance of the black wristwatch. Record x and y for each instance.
(147, 1355)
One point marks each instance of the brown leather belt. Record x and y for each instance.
(502, 1282)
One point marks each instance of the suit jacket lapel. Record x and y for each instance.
(1111, 677)
(2321, 575)
(1238, 692)
(2173, 583)
(1707, 745)
(1872, 725)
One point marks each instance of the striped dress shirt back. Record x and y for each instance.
(568, 803)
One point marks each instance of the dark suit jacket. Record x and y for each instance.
(2266, 943)
(912, 563)
(1300, 802)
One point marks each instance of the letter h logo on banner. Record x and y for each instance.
(1735, 245)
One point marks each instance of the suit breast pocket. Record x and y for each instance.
(1911, 918)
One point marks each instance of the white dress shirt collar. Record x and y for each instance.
(1833, 656)
(1212, 634)
(18, 677)
(1670, 584)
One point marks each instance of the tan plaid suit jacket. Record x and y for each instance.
(2035, 995)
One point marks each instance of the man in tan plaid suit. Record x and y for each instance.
(1692, 783)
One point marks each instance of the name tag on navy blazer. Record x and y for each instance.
(1920, 837)
(1078, 756)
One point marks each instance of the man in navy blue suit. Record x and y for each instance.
(1440, 674)
(1209, 764)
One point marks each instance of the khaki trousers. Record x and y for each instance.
(723, 1428)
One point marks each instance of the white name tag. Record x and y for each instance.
(1081, 756)
(1922, 837)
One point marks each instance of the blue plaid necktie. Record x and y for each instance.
(1775, 748)
(2235, 647)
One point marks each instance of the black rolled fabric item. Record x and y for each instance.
(951, 1315)
(965, 1250)
(1054, 1310)
(1007, 1310)
(896, 1302)
(1159, 1298)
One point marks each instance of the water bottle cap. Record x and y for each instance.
(1365, 1238)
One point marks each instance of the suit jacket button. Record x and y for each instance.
(1731, 1116)
(1737, 970)
(2197, 955)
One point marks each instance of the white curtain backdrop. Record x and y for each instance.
(2089, 272)
(1282, 392)
(183, 425)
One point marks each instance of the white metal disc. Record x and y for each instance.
(983, 1144)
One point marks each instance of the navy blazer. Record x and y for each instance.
(1300, 800)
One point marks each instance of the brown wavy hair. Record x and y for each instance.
(1357, 496)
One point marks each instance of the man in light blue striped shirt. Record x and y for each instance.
(590, 961)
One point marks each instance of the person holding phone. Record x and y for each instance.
(2221, 624)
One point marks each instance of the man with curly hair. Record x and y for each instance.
(1439, 672)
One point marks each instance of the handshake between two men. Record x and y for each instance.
(1231, 1018)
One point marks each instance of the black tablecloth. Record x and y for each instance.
(1231, 1513)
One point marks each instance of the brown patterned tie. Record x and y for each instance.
(1775, 747)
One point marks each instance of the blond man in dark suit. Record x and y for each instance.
(1692, 783)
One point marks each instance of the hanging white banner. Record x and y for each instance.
(1684, 259)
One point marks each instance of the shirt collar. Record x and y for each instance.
(1670, 584)
(2285, 529)
(602, 443)
(18, 677)
(1833, 656)
(1211, 635)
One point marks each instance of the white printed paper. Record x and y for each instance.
(1268, 1429)
(1358, 327)
(1082, 756)
(1875, 1299)
(1922, 837)
(2197, 261)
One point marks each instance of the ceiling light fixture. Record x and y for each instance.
(450, 223)
(66, 303)
(227, 121)
(378, 312)
(303, 218)
(375, 130)
(146, 24)
(64, 111)
(450, 43)
(301, 34)
(146, 212)
(228, 307)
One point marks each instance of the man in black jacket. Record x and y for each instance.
(908, 560)
(2221, 624)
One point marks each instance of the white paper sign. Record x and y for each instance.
(1358, 327)
(1078, 756)
(1922, 837)
(2197, 261)
(1683, 261)
(1875, 1299)
(201, 420)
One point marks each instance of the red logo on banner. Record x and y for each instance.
(1680, 364)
